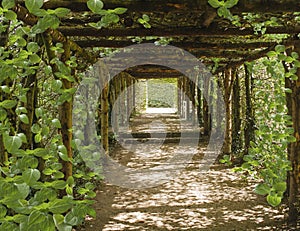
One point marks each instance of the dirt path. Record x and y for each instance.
(214, 200)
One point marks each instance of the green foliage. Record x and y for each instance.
(226, 160)
(144, 20)
(34, 194)
(108, 17)
(223, 9)
(267, 159)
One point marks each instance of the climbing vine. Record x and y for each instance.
(267, 158)
(39, 70)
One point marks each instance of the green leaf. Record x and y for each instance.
(34, 59)
(262, 189)
(38, 138)
(95, 6)
(71, 219)
(5, 89)
(274, 200)
(119, 10)
(230, 3)
(56, 123)
(271, 54)
(8, 104)
(36, 217)
(289, 59)
(33, 47)
(24, 118)
(10, 15)
(24, 191)
(280, 186)
(31, 176)
(110, 18)
(12, 143)
(36, 128)
(23, 137)
(70, 181)
(59, 223)
(38, 112)
(33, 5)
(280, 48)
(224, 12)
(59, 184)
(60, 205)
(214, 3)
(61, 12)
(3, 211)
(3, 114)
(56, 84)
(7, 4)
(291, 139)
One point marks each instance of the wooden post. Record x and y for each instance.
(228, 85)
(294, 148)
(249, 117)
(104, 117)
(236, 104)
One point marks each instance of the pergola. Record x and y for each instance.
(192, 25)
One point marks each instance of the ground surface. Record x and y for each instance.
(217, 199)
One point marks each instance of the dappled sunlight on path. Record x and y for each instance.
(217, 199)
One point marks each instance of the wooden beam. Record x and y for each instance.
(172, 31)
(184, 45)
(256, 6)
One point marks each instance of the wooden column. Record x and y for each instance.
(294, 148)
(228, 85)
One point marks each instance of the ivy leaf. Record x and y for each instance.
(56, 123)
(24, 118)
(59, 223)
(280, 186)
(95, 6)
(110, 18)
(24, 191)
(34, 58)
(230, 3)
(56, 85)
(7, 4)
(36, 217)
(262, 189)
(10, 15)
(12, 143)
(223, 11)
(3, 114)
(38, 112)
(33, 47)
(280, 48)
(8, 104)
(214, 3)
(71, 219)
(61, 12)
(60, 205)
(274, 200)
(33, 5)
(271, 54)
(119, 10)
(31, 176)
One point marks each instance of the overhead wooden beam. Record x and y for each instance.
(252, 57)
(256, 6)
(185, 45)
(172, 31)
